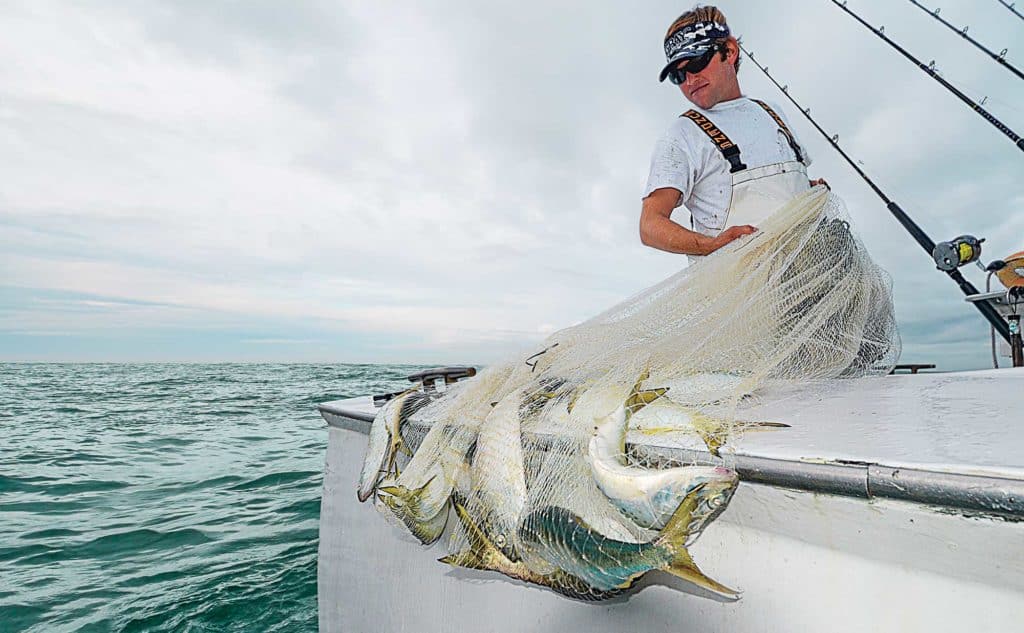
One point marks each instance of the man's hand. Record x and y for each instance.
(820, 181)
(732, 233)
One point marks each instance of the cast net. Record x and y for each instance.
(526, 466)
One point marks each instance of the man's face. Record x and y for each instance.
(716, 83)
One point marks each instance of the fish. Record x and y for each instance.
(701, 388)
(386, 439)
(571, 545)
(498, 474)
(649, 497)
(667, 416)
(423, 508)
(484, 555)
(537, 397)
(435, 471)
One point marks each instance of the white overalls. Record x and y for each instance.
(756, 192)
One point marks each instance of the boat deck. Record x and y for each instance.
(945, 439)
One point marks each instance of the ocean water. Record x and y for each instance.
(171, 497)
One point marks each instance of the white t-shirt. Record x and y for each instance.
(685, 159)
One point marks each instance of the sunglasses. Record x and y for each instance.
(695, 65)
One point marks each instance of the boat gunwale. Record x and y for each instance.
(989, 495)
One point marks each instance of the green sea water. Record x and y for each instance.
(170, 497)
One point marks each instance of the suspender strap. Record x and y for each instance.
(785, 129)
(729, 149)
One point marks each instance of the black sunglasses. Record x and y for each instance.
(694, 66)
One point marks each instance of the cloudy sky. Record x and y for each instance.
(442, 180)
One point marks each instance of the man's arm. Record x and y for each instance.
(657, 230)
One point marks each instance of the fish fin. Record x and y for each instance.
(574, 398)
(481, 552)
(714, 431)
(394, 490)
(571, 404)
(677, 528)
(674, 535)
(403, 493)
(478, 541)
(640, 398)
(466, 558)
(390, 466)
(682, 566)
(763, 425)
(711, 440)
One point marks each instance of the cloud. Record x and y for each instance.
(438, 179)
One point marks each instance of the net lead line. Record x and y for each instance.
(987, 311)
(934, 74)
(1000, 58)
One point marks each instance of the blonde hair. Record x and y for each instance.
(704, 14)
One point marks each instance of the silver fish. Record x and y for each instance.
(498, 474)
(572, 546)
(649, 497)
(386, 440)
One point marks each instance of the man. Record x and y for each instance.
(718, 158)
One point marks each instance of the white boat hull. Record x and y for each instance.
(805, 562)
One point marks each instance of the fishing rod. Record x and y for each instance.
(934, 74)
(1000, 58)
(1011, 8)
(962, 244)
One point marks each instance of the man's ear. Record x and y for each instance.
(732, 49)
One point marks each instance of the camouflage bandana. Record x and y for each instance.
(691, 41)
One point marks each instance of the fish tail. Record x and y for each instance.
(683, 567)
(473, 556)
(466, 558)
(403, 493)
(428, 532)
(673, 537)
(412, 400)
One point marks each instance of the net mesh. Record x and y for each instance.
(526, 467)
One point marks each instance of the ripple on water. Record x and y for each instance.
(276, 479)
(50, 533)
(165, 497)
(21, 484)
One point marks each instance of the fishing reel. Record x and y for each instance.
(1009, 271)
(957, 252)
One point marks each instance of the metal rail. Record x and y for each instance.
(1000, 58)
(929, 69)
(987, 311)
(970, 493)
